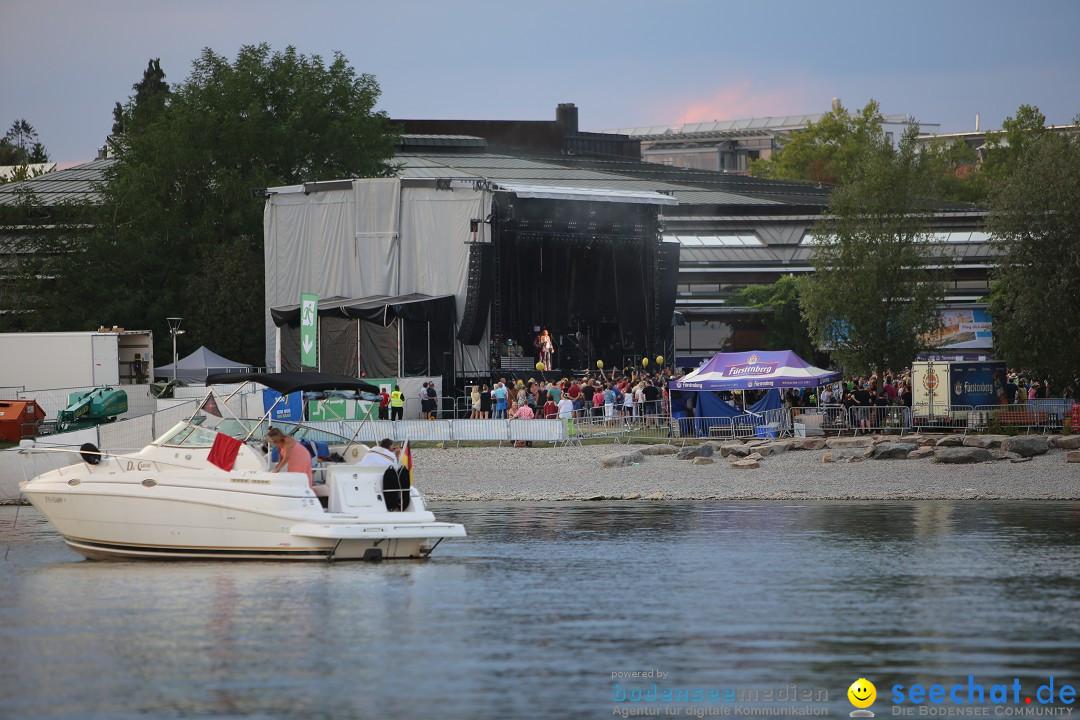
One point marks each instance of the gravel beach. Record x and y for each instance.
(576, 473)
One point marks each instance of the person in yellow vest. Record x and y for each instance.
(397, 404)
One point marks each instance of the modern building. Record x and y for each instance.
(730, 145)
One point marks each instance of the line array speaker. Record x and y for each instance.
(478, 293)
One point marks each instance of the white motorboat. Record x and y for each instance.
(169, 501)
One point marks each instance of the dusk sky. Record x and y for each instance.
(623, 63)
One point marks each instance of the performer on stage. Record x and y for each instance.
(545, 347)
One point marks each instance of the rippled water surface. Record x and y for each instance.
(534, 612)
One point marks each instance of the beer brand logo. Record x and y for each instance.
(751, 367)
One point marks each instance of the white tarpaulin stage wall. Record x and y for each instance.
(373, 238)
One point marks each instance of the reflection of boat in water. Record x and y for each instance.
(169, 500)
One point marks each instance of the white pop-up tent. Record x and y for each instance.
(194, 368)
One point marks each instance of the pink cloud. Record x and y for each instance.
(743, 101)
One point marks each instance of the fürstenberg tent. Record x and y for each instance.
(754, 370)
(194, 368)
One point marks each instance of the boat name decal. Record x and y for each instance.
(53, 499)
(252, 481)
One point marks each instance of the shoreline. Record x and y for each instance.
(575, 474)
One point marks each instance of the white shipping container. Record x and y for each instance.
(38, 361)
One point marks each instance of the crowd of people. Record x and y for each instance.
(626, 395)
(635, 395)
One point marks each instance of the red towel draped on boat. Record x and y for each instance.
(224, 451)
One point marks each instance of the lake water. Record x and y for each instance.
(534, 614)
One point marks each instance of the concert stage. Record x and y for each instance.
(595, 274)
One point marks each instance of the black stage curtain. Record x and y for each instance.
(599, 290)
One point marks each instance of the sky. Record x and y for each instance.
(624, 64)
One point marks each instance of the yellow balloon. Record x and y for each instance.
(644, 362)
(659, 359)
(600, 364)
(539, 366)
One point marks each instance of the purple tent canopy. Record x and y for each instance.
(759, 369)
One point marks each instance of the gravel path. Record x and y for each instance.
(575, 473)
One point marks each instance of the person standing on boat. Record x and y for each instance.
(292, 456)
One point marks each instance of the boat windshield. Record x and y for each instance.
(185, 434)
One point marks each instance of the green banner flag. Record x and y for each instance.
(309, 330)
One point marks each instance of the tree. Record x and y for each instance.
(1035, 223)
(785, 327)
(149, 101)
(180, 218)
(827, 151)
(20, 145)
(874, 295)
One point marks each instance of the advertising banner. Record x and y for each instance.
(292, 409)
(964, 328)
(977, 383)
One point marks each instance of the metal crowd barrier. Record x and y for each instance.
(1042, 415)
(954, 419)
(881, 419)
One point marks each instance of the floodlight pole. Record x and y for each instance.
(174, 330)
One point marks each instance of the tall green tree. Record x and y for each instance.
(827, 151)
(150, 99)
(875, 292)
(182, 227)
(1035, 223)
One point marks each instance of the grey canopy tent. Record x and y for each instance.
(194, 368)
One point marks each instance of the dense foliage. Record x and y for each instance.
(1035, 220)
(877, 288)
(180, 227)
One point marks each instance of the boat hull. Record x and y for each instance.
(120, 520)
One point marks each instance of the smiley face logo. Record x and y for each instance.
(862, 693)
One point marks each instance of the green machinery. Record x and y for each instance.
(86, 409)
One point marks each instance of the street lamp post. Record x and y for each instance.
(174, 330)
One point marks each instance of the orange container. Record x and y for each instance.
(19, 419)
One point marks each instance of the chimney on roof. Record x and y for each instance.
(976, 122)
(566, 115)
(836, 104)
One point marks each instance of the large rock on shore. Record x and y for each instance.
(921, 452)
(736, 449)
(703, 461)
(893, 450)
(962, 455)
(1026, 445)
(772, 448)
(695, 451)
(807, 443)
(840, 443)
(1068, 442)
(659, 450)
(622, 459)
(984, 441)
(1073, 456)
(951, 441)
(745, 464)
